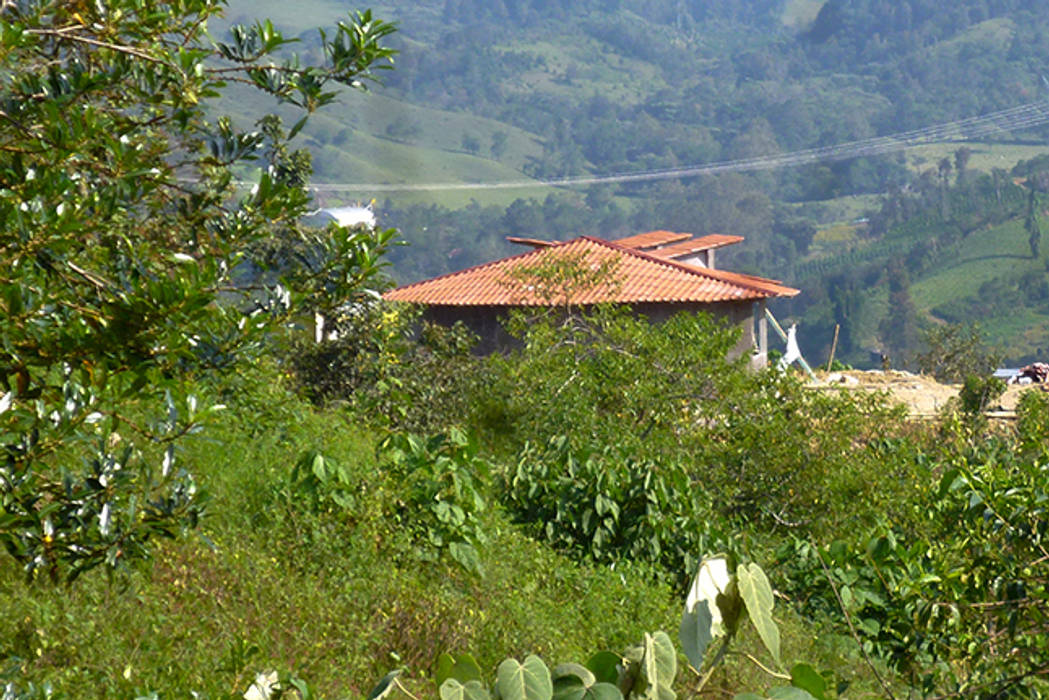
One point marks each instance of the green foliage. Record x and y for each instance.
(756, 593)
(523, 681)
(648, 669)
(643, 672)
(610, 507)
(978, 393)
(956, 351)
(320, 484)
(714, 609)
(123, 234)
(330, 594)
(441, 501)
(698, 440)
(612, 377)
(708, 605)
(393, 369)
(463, 668)
(923, 599)
(1032, 416)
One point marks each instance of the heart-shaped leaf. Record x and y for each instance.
(756, 592)
(527, 681)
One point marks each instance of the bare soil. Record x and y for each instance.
(923, 396)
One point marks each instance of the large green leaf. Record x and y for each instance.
(452, 689)
(604, 665)
(527, 681)
(756, 592)
(649, 669)
(789, 692)
(696, 632)
(577, 670)
(702, 622)
(809, 679)
(603, 691)
(463, 668)
(573, 688)
(663, 667)
(569, 688)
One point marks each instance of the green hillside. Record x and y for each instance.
(524, 90)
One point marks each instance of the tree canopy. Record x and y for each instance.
(124, 239)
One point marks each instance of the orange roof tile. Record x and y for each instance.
(651, 239)
(634, 277)
(695, 245)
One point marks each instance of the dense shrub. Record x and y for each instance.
(439, 498)
(604, 505)
(965, 571)
(758, 446)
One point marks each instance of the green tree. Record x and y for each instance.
(122, 254)
(899, 329)
(961, 163)
(471, 144)
(498, 147)
(1034, 231)
(956, 351)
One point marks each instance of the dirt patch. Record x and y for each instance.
(923, 396)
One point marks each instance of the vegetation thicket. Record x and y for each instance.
(387, 499)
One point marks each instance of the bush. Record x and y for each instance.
(393, 370)
(956, 351)
(759, 447)
(439, 498)
(604, 505)
(979, 392)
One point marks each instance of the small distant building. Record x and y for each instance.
(658, 274)
(343, 216)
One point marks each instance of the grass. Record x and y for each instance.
(597, 70)
(980, 257)
(989, 35)
(985, 155)
(349, 144)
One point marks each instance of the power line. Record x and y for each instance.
(1006, 120)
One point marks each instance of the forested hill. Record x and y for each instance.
(679, 13)
(512, 90)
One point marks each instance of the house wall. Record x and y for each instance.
(486, 322)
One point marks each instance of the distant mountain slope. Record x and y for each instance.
(497, 90)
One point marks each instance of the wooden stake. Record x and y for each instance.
(833, 346)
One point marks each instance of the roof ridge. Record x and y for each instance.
(759, 284)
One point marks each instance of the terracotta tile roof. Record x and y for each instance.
(634, 277)
(641, 241)
(695, 245)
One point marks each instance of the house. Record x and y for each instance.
(658, 274)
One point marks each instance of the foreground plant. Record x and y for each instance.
(122, 251)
